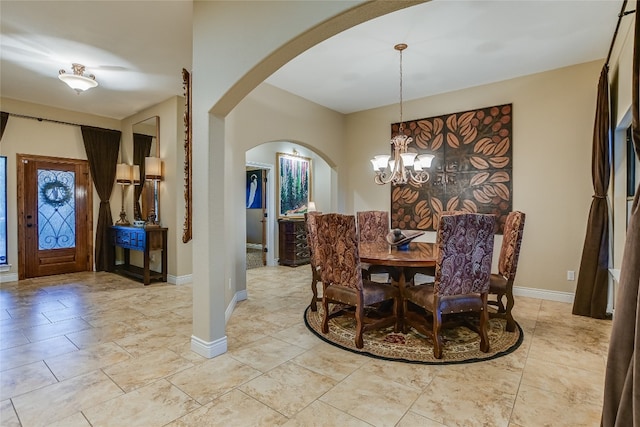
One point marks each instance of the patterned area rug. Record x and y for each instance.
(461, 345)
(254, 258)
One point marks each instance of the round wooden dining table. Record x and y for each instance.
(419, 254)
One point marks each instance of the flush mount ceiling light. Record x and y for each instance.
(78, 81)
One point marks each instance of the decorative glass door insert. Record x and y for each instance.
(56, 209)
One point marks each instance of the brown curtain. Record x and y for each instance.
(4, 117)
(593, 277)
(102, 146)
(621, 407)
(141, 149)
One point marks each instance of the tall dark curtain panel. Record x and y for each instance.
(102, 146)
(141, 149)
(4, 117)
(621, 406)
(593, 277)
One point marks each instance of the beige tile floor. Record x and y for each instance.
(95, 349)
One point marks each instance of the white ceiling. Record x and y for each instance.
(137, 49)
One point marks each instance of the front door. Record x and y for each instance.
(54, 216)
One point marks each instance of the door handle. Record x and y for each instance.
(29, 225)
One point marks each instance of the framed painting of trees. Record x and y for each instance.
(294, 185)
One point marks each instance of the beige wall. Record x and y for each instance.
(172, 203)
(44, 138)
(552, 129)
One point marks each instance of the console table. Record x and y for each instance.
(144, 240)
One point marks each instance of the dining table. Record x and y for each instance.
(418, 255)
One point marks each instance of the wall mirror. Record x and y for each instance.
(146, 143)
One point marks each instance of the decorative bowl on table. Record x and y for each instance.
(401, 238)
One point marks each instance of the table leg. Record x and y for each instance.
(400, 283)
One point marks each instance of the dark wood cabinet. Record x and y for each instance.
(144, 240)
(292, 242)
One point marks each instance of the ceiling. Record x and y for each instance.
(137, 49)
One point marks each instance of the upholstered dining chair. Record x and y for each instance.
(427, 273)
(373, 226)
(501, 283)
(463, 268)
(312, 243)
(342, 282)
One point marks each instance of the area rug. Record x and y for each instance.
(254, 258)
(461, 345)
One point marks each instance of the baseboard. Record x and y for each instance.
(180, 280)
(209, 349)
(229, 311)
(544, 294)
(8, 277)
(238, 296)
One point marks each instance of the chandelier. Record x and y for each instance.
(78, 81)
(405, 167)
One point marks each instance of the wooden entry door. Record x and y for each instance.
(55, 216)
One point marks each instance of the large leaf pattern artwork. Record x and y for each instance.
(471, 171)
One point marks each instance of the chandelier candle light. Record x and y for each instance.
(398, 171)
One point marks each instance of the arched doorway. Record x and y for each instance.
(323, 189)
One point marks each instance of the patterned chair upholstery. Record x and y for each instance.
(410, 273)
(373, 226)
(463, 269)
(501, 284)
(341, 274)
(312, 243)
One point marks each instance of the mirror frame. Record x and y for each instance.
(186, 228)
(149, 194)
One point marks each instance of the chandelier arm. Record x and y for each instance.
(419, 177)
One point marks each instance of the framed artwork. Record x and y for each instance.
(254, 189)
(471, 171)
(294, 185)
(187, 232)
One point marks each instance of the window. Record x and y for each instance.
(633, 177)
(3, 210)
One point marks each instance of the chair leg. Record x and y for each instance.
(437, 338)
(501, 308)
(325, 317)
(359, 326)
(511, 324)
(314, 289)
(484, 323)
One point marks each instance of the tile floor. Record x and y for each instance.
(95, 349)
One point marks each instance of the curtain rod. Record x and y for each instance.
(621, 15)
(40, 119)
